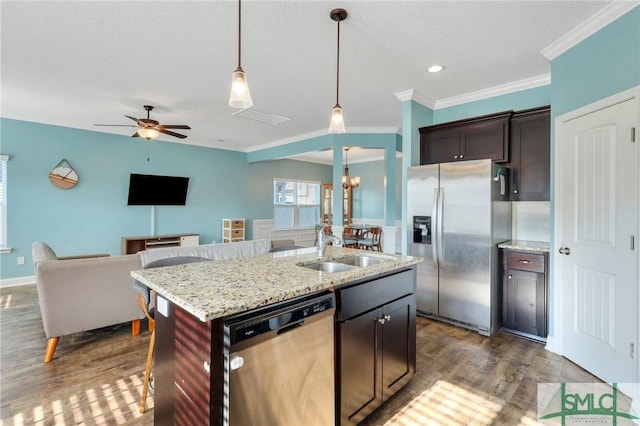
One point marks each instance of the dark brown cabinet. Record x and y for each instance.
(376, 343)
(471, 139)
(525, 293)
(529, 142)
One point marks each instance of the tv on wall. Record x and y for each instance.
(153, 190)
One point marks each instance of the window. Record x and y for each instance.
(296, 204)
(3, 200)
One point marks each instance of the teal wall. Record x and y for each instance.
(368, 198)
(93, 216)
(606, 63)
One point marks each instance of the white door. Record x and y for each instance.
(596, 276)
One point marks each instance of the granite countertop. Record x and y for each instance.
(525, 245)
(218, 288)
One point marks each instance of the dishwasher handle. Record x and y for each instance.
(290, 327)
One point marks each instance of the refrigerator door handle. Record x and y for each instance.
(439, 228)
(434, 227)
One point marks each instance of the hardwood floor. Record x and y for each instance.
(96, 378)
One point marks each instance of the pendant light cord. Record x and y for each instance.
(239, 31)
(338, 66)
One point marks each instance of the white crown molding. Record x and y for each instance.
(414, 95)
(598, 21)
(503, 89)
(318, 133)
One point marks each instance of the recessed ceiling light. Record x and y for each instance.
(435, 68)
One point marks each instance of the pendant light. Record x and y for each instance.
(240, 96)
(348, 181)
(337, 119)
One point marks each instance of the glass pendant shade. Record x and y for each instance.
(337, 121)
(148, 133)
(240, 96)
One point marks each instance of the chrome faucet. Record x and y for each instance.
(323, 240)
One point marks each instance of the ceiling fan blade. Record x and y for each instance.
(175, 126)
(140, 123)
(116, 125)
(167, 132)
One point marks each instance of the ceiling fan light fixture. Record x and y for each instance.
(148, 133)
(240, 95)
(337, 120)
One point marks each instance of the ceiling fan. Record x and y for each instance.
(150, 129)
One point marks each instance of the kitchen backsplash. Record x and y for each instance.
(531, 221)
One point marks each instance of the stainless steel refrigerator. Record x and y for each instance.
(457, 214)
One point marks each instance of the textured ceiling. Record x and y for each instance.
(84, 62)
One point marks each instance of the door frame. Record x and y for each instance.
(555, 340)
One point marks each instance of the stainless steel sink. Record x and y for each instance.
(361, 261)
(328, 266)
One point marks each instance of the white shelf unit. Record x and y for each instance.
(233, 230)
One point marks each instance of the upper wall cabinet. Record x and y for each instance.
(471, 139)
(529, 142)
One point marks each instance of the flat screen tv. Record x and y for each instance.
(153, 190)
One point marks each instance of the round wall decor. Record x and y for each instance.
(63, 176)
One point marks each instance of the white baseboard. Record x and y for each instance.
(13, 282)
(552, 345)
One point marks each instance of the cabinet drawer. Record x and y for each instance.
(233, 223)
(525, 261)
(190, 241)
(369, 295)
(233, 233)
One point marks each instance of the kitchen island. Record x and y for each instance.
(196, 302)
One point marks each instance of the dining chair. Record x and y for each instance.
(372, 240)
(144, 300)
(349, 237)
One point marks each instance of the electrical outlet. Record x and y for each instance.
(20, 260)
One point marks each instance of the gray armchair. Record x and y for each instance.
(83, 293)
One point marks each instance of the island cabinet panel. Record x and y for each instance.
(398, 344)
(477, 138)
(187, 388)
(376, 343)
(360, 373)
(530, 147)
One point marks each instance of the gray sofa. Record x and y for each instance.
(94, 291)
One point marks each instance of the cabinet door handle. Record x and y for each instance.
(387, 317)
(515, 191)
(510, 276)
(526, 262)
(381, 320)
(461, 156)
(455, 157)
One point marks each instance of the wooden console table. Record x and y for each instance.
(131, 245)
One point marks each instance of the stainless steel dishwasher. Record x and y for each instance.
(280, 365)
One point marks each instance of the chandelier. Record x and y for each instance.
(348, 181)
